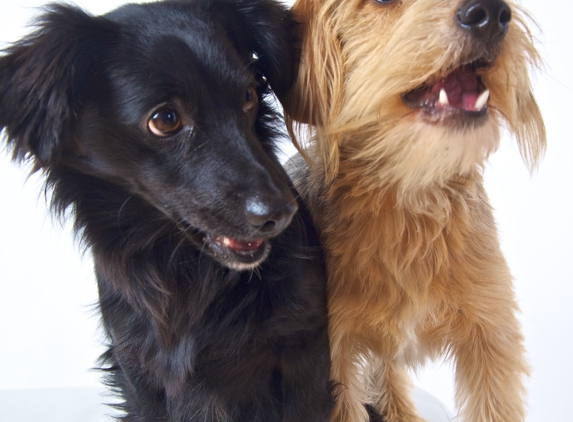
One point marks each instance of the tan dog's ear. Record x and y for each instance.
(316, 97)
(530, 131)
(316, 93)
(520, 108)
(528, 123)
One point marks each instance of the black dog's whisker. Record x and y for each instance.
(176, 248)
(119, 214)
(198, 147)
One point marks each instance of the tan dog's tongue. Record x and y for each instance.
(461, 89)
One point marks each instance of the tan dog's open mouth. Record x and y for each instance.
(460, 94)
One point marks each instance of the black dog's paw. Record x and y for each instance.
(373, 414)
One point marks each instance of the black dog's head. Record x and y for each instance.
(166, 102)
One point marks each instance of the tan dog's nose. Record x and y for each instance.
(486, 20)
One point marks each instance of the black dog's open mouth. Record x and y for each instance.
(460, 94)
(237, 253)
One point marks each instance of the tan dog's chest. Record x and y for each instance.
(401, 278)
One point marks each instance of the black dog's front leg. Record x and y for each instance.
(141, 402)
(307, 391)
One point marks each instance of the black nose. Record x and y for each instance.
(486, 20)
(270, 217)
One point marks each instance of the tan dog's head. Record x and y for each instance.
(414, 92)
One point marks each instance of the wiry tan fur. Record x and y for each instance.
(415, 266)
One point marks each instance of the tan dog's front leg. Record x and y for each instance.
(395, 403)
(350, 390)
(490, 366)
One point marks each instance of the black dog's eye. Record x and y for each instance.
(164, 122)
(251, 99)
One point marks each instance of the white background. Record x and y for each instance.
(49, 333)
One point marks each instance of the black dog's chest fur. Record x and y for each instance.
(250, 343)
(192, 338)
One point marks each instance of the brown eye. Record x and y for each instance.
(251, 99)
(164, 122)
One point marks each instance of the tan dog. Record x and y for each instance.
(406, 100)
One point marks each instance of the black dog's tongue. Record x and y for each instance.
(461, 89)
(241, 245)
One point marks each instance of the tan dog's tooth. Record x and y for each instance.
(443, 99)
(482, 100)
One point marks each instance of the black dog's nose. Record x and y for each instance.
(486, 20)
(271, 217)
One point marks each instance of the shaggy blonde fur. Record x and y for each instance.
(415, 267)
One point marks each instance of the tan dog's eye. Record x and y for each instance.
(164, 122)
(251, 99)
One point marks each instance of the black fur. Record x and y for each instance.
(194, 336)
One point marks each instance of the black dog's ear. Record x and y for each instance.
(42, 79)
(266, 28)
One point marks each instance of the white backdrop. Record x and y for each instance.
(49, 331)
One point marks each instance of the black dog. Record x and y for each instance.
(153, 126)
